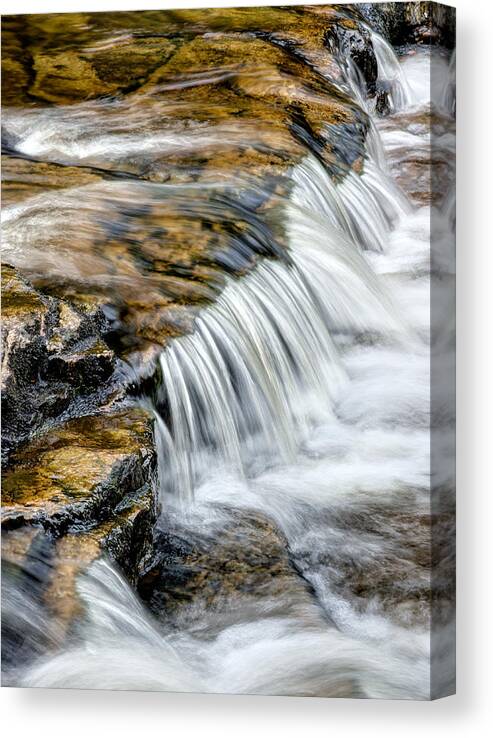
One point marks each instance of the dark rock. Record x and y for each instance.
(245, 561)
(53, 358)
(415, 22)
(355, 43)
(382, 101)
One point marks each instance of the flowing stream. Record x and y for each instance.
(293, 425)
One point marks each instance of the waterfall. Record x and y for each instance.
(363, 206)
(261, 366)
(447, 97)
(128, 650)
(292, 421)
(390, 72)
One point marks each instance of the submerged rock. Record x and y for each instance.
(243, 562)
(353, 42)
(426, 178)
(24, 178)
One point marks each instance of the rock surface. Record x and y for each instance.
(242, 562)
(415, 22)
(54, 360)
(78, 491)
(80, 85)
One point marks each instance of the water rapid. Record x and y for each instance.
(293, 432)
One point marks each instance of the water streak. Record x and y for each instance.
(390, 72)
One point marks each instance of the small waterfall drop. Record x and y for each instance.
(390, 72)
(261, 367)
(362, 207)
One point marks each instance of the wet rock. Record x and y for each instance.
(425, 180)
(76, 474)
(138, 268)
(108, 242)
(155, 266)
(394, 578)
(64, 77)
(73, 57)
(415, 22)
(126, 538)
(382, 101)
(245, 560)
(428, 34)
(352, 41)
(82, 490)
(41, 66)
(53, 358)
(286, 96)
(16, 62)
(40, 573)
(431, 23)
(23, 178)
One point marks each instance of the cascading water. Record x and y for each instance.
(261, 366)
(301, 398)
(390, 72)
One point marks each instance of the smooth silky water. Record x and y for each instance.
(303, 394)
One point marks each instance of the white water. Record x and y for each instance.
(390, 72)
(304, 394)
(261, 368)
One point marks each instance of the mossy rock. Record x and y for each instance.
(76, 474)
